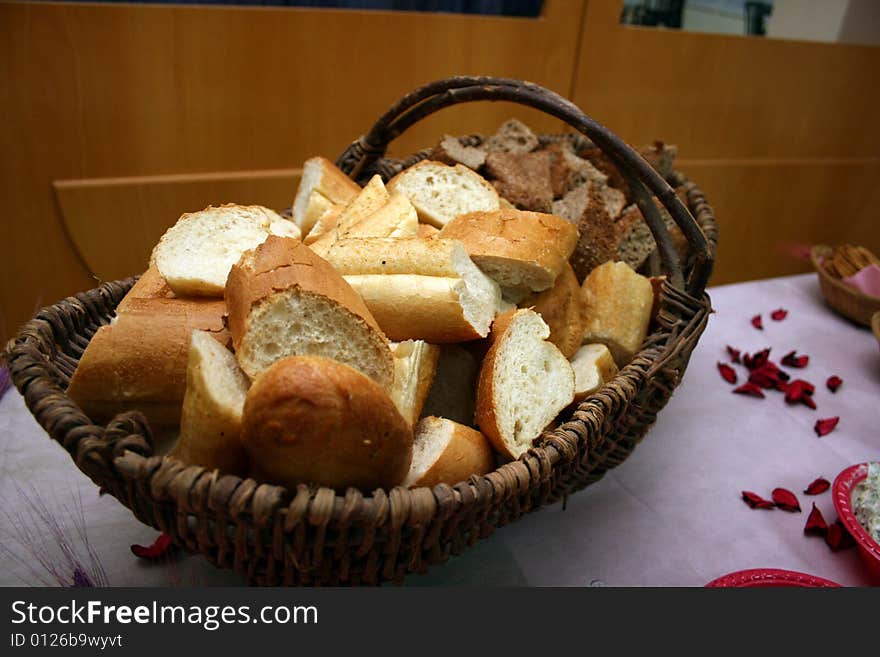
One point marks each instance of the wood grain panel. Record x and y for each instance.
(719, 96)
(116, 222)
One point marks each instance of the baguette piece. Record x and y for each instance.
(196, 253)
(316, 206)
(427, 231)
(524, 383)
(617, 309)
(151, 285)
(311, 420)
(325, 223)
(320, 175)
(560, 308)
(139, 362)
(593, 367)
(419, 289)
(210, 422)
(397, 218)
(371, 198)
(440, 192)
(522, 251)
(284, 300)
(445, 452)
(415, 362)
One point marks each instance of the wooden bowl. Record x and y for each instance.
(841, 297)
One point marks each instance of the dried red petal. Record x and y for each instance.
(838, 538)
(825, 426)
(755, 501)
(785, 500)
(818, 486)
(161, 547)
(791, 359)
(750, 389)
(755, 361)
(800, 391)
(833, 382)
(779, 314)
(734, 354)
(727, 372)
(816, 524)
(757, 323)
(768, 376)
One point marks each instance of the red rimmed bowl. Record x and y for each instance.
(770, 577)
(843, 488)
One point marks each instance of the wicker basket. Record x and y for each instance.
(311, 535)
(849, 302)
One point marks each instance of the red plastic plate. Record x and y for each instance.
(842, 489)
(758, 577)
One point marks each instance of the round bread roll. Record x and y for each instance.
(314, 420)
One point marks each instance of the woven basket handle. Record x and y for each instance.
(364, 153)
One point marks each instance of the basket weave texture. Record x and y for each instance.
(312, 535)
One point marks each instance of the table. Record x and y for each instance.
(671, 515)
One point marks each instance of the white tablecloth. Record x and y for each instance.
(671, 515)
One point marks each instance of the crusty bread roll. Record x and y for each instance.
(320, 176)
(415, 362)
(453, 392)
(139, 362)
(524, 383)
(318, 421)
(593, 367)
(210, 422)
(196, 253)
(370, 200)
(560, 308)
(617, 309)
(445, 452)
(440, 192)
(284, 300)
(419, 289)
(523, 252)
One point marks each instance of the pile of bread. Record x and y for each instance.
(409, 333)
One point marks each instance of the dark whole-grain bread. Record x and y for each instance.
(451, 151)
(522, 178)
(635, 242)
(513, 136)
(597, 234)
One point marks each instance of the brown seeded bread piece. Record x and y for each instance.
(513, 136)
(446, 452)
(285, 271)
(310, 420)
(635, 242)
(139, 361)
(451, 151)
(597, 234)
(522, 178)
(568, 171)
(523, 251)
(560, 308)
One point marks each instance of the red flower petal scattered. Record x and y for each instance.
(755, 361)
(816, 524)
(757, 323)
(160, 548)
(833, 382)
(779, 314)
(800, 391)
(818, 487)
(727, 372)
(838, 538)
(749, 389)
(785, 500)
(769, 376)
(755, 501)
(792, 360)
(734, 354)
(825, 426)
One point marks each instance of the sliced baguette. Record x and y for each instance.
(325, 223)
(427, 231)
(210, 422)
(445, 452)
(397, 218)
(284, 300)
(419, 289)
(440, 192)
(317, 205)
(415, 362)
(593, 367)
(322, 176)
(524, 383)
(151, 285)
(371, 199)
(617, 309)
(523, 252)
(196, 253)
(560, 308)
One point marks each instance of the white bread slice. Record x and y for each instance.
(522, 251)
(415, 362)
(445, 452)
(196, 253)
(454, 389)
(419, 289)
(283, 300)
(322, 176)
(440, 192)
(524, 383)
(617, 309)
(593, 367)
(324, 223)
(371, 198)
(210, 422)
